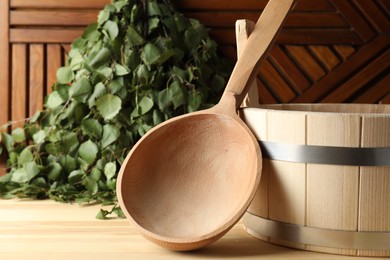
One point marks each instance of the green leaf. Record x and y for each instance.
(18, 135)
(164, 99)
(153, 8)
(91, 33)
(108, 106)
(192, 38)
(29, 171)
(121, 70)
(32, 170)
(92, 127)
(26, 156)
(111, 184)
(39, 137)
(218, 82)
(69, 141)
(157, 117)
(182, 23)
(88, 151)
(102, 214)
(195, 99)
(68, 163)
(54, 100)
(112, 29)
(81, 89)
(104, 71)
(151, 54)
(91, 185)
(134, 37)
(103, 56)
(110, 135)
(144, 106)
(19, 175)
(75, 177)
(54, 171)
(103, 16)
(99, 90)
(118, 211)
(8, 142)
(177, 94)
(64, 75)
(153, 24)
(110, 170)
(95, 174)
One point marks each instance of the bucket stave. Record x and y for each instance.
(323, 206)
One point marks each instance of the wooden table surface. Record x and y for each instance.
(51, 230)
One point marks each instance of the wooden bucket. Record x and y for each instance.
(326, 177)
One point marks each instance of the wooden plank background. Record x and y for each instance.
(328, 51)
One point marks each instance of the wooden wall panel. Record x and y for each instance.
(328, 51)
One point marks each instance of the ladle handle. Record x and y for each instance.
(257, 46)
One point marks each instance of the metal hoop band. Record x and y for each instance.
(316, 236)
(326, 154)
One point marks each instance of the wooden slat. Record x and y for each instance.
(19, 81)
(375, 15)
(386, 99)
(302, 57)
(355, 19)
(297, 36)
(4, 62)
(332, 191)
(73, 4)
(376, 92)
(375, 182)
(287, 181)
(322, 37)
(344, 51)
(44, 35)
(248, 5)
(385, 4)
(325, 55)
(272, 78)
(343, 71)
(358, 80)
(53, 18)
(5, 72)
(301, 20)
(36, 79)
(53, 62)
(265, 96)
(289, 69)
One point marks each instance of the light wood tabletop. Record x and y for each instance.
(51, 230)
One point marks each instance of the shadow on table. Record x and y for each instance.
(238, 247)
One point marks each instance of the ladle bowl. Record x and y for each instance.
(186, 197)
(190, 179)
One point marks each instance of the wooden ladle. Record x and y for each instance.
(191, 178)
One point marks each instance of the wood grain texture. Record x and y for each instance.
(4, 61)
(5, 71)
(47, 229)
(52, 18)
(73, 4)
(374, 194)
(46, 35)
(335, 197)
(19, 84)
(53, 62)
(332, 191)
(36, 78)
(287, 181)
